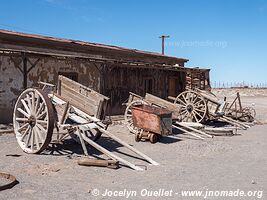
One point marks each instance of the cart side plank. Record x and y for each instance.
(163, 103)
(80, 96)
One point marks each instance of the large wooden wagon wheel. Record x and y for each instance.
(128, 115)
(193, 107)
(33, 120)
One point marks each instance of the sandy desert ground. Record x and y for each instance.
(222, 163)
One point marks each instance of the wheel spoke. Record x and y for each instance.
(25, 133)
(183, 112)
(39, 134)
(185, 98)
(25, 106)
(41, 128)
(39, 109)
(37, 103)
(22, 119)
(41, 115)
(181, 101)
(29, 101)
(33, 101)
(197, 100)
(194, 116)
(198, 114)
(45, 122)
(190, 97)
(199, 110)
(200, 106)
(23, 112)
(29, 137)
(23, 126)
(37, 139)
(32, 139)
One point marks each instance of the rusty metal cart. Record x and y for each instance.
(74, 110)
(195, 106)
(149, 99)
(151, 122)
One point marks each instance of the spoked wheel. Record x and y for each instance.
(193, 107)
(128, 115)
(248, 115)
(33, 120)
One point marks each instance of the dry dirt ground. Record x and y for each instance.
(222, 163)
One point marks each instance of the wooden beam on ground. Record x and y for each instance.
(193, 129)
(188, 132)
(150, 160)
(109, 154)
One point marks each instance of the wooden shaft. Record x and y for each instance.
(82, 143)
(188, 132)
(65, 113)
(235, 121)
(128, 146)
(122, 142)
(100, 163)
(239, 100)
(171, 98)
(109, 154)
(195, 130)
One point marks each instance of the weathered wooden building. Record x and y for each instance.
(113, 71)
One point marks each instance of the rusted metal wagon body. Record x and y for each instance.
(152, 121)
(187, 106)
(72, 111)
(175, 108)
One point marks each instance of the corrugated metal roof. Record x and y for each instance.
(6, 35)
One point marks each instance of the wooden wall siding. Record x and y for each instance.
(119, 81)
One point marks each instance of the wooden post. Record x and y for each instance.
(25, 73)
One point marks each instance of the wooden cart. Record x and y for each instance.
(153, 122)
(195, 106)
(73, 110)
(176, 108)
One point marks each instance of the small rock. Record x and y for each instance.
(55, 170)
(253, 182)
(29, 191)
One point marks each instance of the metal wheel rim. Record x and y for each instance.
(193, 107)
(128, 115)
(12, 181)
(33, 120)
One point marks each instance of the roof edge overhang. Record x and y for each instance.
(23, 40)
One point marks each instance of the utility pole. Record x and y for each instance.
(162, 41)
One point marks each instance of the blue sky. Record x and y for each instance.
(228, 36)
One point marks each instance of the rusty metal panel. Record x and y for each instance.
(153, 119)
